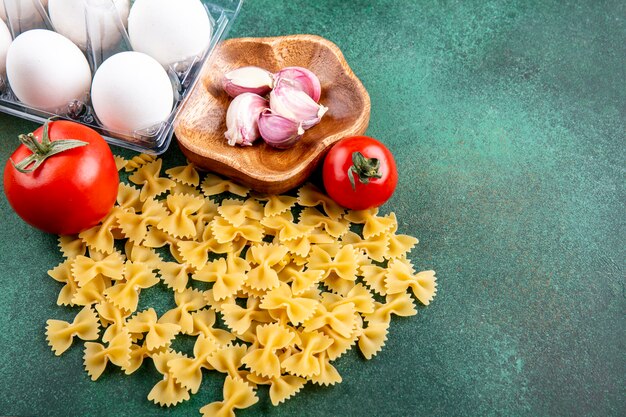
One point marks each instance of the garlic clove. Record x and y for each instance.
(248, 80)
(292, 103)
(242, 119)
(303, 79)
(278, 131)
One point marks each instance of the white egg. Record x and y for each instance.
(131, 91)
(170, 31)
(69, 19)
(5, 42)
(47, 71)
(28, 9)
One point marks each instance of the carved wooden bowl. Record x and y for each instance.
(201, 123)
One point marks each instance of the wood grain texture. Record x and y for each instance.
(201, 123)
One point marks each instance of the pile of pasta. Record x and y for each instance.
(294, 282)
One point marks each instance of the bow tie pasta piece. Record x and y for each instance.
(143, 255)
(328, 373)
(302, 281)
(152, 184)
(239, 319)
(305, 363)
(134, 226)
(359, 296)
(263, 360)
(341, 318)
(188, 371)
(128, 198)
(228, 360)
(175, 275)
(401, 276)
(343, 264)
(92, 292)
(97, 356)
(373, 339)
(197, 253)
(63, 273)
(376, 247)
(113, 318)
(126, 295)
(167, 392)
(374, 277)
(399, 245)
(179, 224)
(216, 305)
(310, 196)
(138, 161)
(228, 275)
(204, 324)
(72, 246)
(372, 224)
(236, 211)
(158, 334)
(225, 232)
(85, 269)
(297, 309)
(186, 302)
(281, 388)
(185, 174)
(214, 185)
(100, 238)
(60, 334)
(237, 395)
(284, 227)
(400, 304)
(137, 354)
(263, 276)
(340, 344)
(277, 204)
(313, 217)
(120, 162)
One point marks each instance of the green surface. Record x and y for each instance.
(508, 121)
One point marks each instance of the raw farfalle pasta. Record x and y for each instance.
(272, 288)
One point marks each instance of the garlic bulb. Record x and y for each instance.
(303, 79)
(292, 103)
(242, 119)
(278, 131)
(248, 80)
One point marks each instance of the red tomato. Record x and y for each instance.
(70, 191)
(359, 173)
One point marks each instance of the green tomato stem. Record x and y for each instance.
(363, 168)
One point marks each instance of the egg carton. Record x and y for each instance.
(23, 15)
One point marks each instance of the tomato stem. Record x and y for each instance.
(43, 150)
(363, 168)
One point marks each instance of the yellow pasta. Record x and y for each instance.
(138, 161)
(167, 392)
(237, 395)
(120, 162)
(186, 174)
(60, 334)
(152, 184)
(158, 334)
(285, 275)
(112, 318)
(97, 355)
(213, 185)
(188, 371)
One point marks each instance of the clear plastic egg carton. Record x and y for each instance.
(23, 15)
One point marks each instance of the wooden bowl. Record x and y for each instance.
(201, 123)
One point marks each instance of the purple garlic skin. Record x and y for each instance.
(248, 80)
(292, 103)
(278, 131)
(303, 79)
(242, 119)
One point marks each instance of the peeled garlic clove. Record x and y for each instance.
(303, 79)
(278, 131)
(292, 103)
(248, 80)
(242, 119)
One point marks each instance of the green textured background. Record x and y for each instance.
(508, 120)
